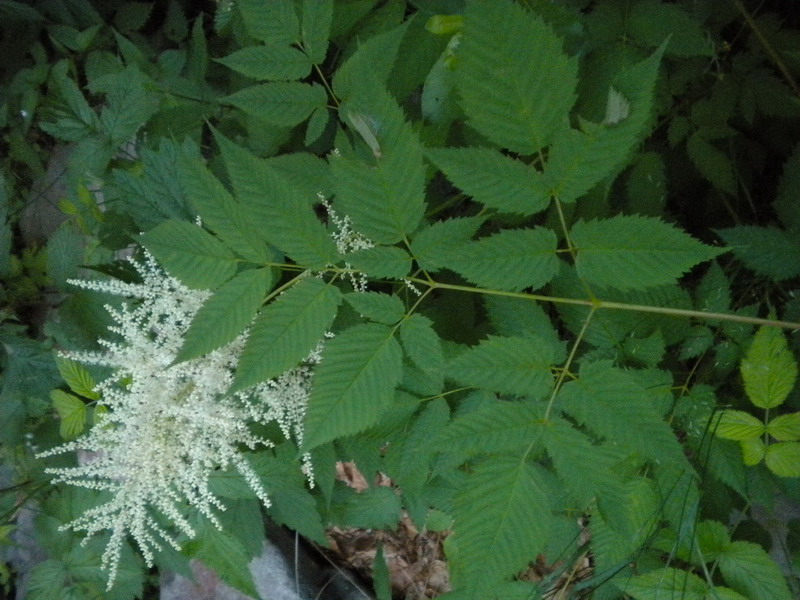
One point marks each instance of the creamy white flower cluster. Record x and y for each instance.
(169, 426)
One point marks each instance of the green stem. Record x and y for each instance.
(565, 368)
(598, 304)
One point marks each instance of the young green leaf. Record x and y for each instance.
(753, 451)
(226, 313)
(353, 384)
(190, 254)
(286, 331)
(783, 459)
(276, 63)
(769, 369)
(72, 412)
(77, 377)
(383, 308)
(516, 85)
(507, 365)
(666, 583)
(633, 252)
(281, 103)
(513, 259)
(493, 179)
(784, 428)
(739, 425)
(501, 518)
(749, 570)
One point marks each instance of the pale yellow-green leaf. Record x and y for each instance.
(72, 412)
(739, 425)
(753, 451)
(77, 377)
(769, 369)
(783, 459)
(785, 428)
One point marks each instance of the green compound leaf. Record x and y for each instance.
(766, 250)
(227, 556)
(614, 405)
(783, 459)
(666, 583)
(317, 16)
(286, 331)
(753, 451)
(190, 254)
(516, 85)
(507, 365)
(292, 503)
(226, 314)
(381, 261)
(712, 539)
(739, 425)
(72, 412)
(435, 246)
(579, 160)
(353, 384)
(493, 179)
(635, 252)
(769, 369)
(748, 569)
(495, 427)
(277, 63)
(422, 344)
(281, 103)
(383, 308)
(585, 480)
(271, 22)
(276, 199)
(501, 518)
(77, 377)
(219, 211)
(785, 428)
(510, 260)
(385, 196)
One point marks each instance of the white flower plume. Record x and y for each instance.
(169, 425)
